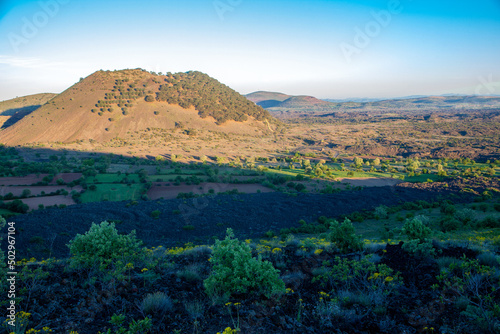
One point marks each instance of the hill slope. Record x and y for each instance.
(13, 110)
(304, 102)
(117, 104)
(279, 104)
(267, 99)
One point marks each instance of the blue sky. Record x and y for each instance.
(328, 49)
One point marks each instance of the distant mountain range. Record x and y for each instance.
(283, 105)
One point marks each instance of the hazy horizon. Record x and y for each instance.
(327, 49)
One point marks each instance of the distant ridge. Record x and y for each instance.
(278, 101)
(308, 106)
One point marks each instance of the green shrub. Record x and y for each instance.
(450, 224)
(156, 303)
(418, 234)
(358, 276)
(190, 273)
(300, 187)
(155, 213)
(236, 271)
(381, 212)
(416, 230)
(344, 236)
(489, 222)
(134, 327)
(448, 209)
(102, 245)
(489, 259)
(465, 215)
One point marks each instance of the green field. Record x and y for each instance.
(112, 178)
(183, 171)
(7, 213)
(171, 177)
(113, 192)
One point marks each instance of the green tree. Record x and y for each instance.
(358, 162)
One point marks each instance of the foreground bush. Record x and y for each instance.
(419, 242)
(236, 271)
(102, 246)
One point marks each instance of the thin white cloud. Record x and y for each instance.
(33, 63)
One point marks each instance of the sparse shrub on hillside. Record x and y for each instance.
(209, 97)
(103, 246)
(236, 271)
(149, 98)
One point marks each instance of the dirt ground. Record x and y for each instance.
(370, 182)
(34, 202)
(35, 191)
(160, 190)
(34, 178)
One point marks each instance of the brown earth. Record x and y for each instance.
(9, 107)
(160, 190)
(34, 178)
(34, 202)
(35, 190)
(370, 182)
